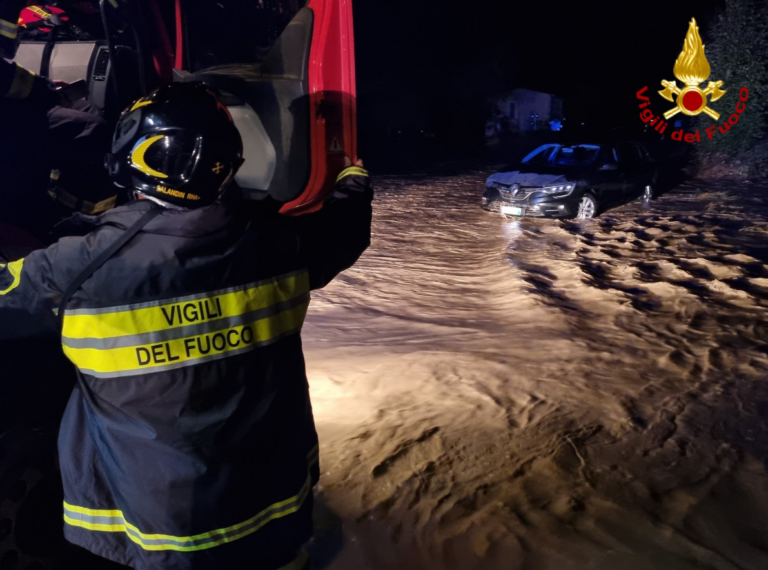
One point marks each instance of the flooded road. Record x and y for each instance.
(510, 394)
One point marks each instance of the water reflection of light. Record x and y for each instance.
(512, 230)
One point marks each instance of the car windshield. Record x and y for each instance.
(574, 155)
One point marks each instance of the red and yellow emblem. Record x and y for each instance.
(692, 68)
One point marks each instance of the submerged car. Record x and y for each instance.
(572, 181)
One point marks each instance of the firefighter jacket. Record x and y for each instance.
(189, 441)
(19, 84)
(9, 29)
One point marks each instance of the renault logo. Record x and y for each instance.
(515, 188)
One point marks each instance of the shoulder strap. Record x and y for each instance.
(94, 265)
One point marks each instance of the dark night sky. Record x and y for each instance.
(424, 63)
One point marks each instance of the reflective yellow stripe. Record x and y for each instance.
(313, 455)
(99, 207)
(40, 12)
(22, 84)
(8, 29)
(353, 171)
(140, 103)
(92, 526)
(93, 512)
(175, 313)
(138, 160)
(114, 3)
(159, 542)
(171, 354)
(69, 200)
(14, 268)
(173, 333)
(114, 521)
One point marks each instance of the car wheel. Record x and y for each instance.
(648, 193)
(587, 207)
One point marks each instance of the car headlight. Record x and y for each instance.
(559, 189)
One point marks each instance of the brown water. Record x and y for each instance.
(494, 393)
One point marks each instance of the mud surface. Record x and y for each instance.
(539, 394)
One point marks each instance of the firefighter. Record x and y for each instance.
(9, 26)
(25, 100)
(45, 137)
(189, 441)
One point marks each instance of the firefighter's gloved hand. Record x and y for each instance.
(354, 180)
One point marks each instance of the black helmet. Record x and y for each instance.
(178, 144)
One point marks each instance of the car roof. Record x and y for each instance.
(600, 142)
(573, 143)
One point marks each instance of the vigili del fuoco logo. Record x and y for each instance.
(692, 69)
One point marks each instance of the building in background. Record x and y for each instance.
(524, 110)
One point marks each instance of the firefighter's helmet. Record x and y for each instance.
(178, 145)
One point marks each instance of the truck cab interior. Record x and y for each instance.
(285, 68)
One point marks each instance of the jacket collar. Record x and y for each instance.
(183, 223)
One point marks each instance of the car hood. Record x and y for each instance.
(537, 177)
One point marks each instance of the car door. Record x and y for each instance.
(647, 168)
(631, 166)
(609, 178)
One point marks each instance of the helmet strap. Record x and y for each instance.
(225, 185)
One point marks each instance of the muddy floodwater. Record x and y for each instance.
(512, 394)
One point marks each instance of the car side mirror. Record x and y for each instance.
(609, 166)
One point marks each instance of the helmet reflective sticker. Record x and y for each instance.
(138, 160)
(140, 103)
(171, 156)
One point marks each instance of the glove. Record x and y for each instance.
(353, 180)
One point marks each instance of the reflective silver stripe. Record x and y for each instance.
(116, 522)
(94, 520)
(187, 299)
(187, 331)
(191, 362)
(8, 29)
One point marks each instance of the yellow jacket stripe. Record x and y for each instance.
(114, 521)
(8, 29)
(188, 351)
(186, 331)
(23, 81)
(14, 269)
(169, 314)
